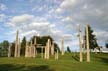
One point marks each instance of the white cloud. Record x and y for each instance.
(67, 19)
(29, 33)
(65, 5)
(102, 36)
(3, 7)
(30, 25)
(2, 17)
(21, 18)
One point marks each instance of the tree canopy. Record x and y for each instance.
(92, 38)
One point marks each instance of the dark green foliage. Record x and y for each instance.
(12, 48)
(106, 44)
(42, 40)
(23, 45)
(68, 49)
(56, 47)
(5, 44)
(92, 38)
(4, 48)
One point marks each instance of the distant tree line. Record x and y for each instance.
(39, 39)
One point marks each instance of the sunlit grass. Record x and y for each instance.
(68, 62)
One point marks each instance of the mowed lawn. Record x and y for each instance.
(68, 62)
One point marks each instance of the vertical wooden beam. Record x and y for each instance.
(26, 50)
(48, 47)
(31, 49)
(42, 52)
(9, 51)
(34, 49)
(16, 45)
(56, 55)
(52, 49)
(80, 43)
(19, 47)
(62, 46)
(45, 56)
(87, 43)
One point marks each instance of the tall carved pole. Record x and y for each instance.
(31, 49)
(19, 47)
(52, 49)
(62, 45)
(26, 50)
(16, 45)
(80, 42)
(9, 51)
(34, 49)
(45, 56)
(56, 54)
(48, 47)
(87, 43)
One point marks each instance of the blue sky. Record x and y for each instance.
(58, 18)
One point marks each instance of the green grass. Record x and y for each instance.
(68, 62)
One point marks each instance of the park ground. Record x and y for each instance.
(68, 62)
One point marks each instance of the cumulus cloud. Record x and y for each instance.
(30, 25)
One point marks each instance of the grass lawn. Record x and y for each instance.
(68, 62)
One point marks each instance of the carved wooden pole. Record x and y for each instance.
(16, 45)
(19, 47)
(31, 49)
(34, 49)
(26, 50)
(52, 49)
(80, 41)
(45, 51)
(56, 55)
(62, 45)
(42, 52)
(9, 51)
(48, 47)
(87, 43)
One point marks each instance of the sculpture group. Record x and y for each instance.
(48, 49)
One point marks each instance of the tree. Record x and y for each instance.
(4, 48)
(12, 48)
(42, 40)
(68, 49)
(92, 38)
(5, 44)
(56, 47)
(106, 45)
(23, 45)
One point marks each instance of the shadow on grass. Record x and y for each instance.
(11, 67)
(104, 60)
(75, 57)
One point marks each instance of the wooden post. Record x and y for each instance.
(16, 45)
(48, 47)
(42, 52)
(62, 45)
(19, 47)
(80, 42)
(26, 50)
(52, 49)
(45, 56)
(87, 43)
(34, 49)
(56, 55)
(9, 51)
